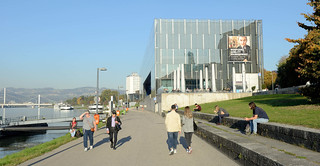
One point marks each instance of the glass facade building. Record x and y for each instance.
(186, 55)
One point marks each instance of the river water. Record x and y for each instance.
(12, 144)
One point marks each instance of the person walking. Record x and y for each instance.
(73, 127)
(221, 113)
(113, 127)
(187, 126)
(259, 116)
(89, 126)
(173, 125)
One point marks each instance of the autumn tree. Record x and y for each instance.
(268, 76)
(306, 53)
(287, 74)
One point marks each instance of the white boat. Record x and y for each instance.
(65, 107)
(93, 108)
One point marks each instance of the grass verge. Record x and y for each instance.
(290, 109)
(38, 150)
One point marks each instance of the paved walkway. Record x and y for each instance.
(141, 142)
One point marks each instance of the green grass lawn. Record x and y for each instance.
(38, 150)
(291, 109)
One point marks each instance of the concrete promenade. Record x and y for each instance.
(141, 142)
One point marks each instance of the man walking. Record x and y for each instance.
(173, 125)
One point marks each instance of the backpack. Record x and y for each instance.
(78, 134)
(199, 107)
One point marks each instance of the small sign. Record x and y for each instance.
(259, 74)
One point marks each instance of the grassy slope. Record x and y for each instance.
(38, 150)
(283, 108)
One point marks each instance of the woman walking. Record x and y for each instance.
(89, 126)
(113, 126)
(187, 122)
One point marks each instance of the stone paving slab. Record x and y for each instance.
(141, 142)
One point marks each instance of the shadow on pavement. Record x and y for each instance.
(123, 140)
(183, 142)
(104, 140)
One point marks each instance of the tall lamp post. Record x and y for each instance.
(118, 94)
(97, 95)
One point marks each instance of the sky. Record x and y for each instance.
(61, 43)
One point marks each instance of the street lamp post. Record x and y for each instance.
(97, 95)
(118, 94)
(127, 95)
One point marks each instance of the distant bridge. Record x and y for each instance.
(24, 105)
(20, 125)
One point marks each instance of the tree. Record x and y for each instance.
(287, 74)
(306, 54)
(79, 100)
(268, 76)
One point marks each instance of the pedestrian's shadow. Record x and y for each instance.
(123, 140)
(183, 142)
(104, 140)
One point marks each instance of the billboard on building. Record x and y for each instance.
(239, 48)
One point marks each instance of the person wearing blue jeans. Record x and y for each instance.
(259, 116)
(173, 125)
(88, 125)
(86, 134)
(172, 139)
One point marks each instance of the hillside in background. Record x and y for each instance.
(48, 95)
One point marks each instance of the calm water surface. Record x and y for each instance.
(9, 145)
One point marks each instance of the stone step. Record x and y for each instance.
(255, 150)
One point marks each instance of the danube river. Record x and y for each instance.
(12, 144)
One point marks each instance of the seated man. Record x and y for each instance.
(198, 107)
(221, 113)
(259, 116)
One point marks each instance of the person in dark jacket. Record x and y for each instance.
(259, 116)
(112, 129)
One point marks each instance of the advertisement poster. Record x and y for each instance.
(239, 48)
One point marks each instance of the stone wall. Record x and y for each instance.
(186, 99)
(296, 135)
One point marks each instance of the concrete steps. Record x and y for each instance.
(255, 150)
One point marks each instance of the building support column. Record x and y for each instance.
(175, 80)
(178, 78)
(234, 79)
(244, 77)
(183, 81)
(206, 78)
(201, 80)
(213, 78)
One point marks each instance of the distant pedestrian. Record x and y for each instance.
(187, 126)
(221, 113)
(173, 125)
(113, 127)
(89, 126)
(73, 127)
(176, 106)
(259, 116)
(198, 107)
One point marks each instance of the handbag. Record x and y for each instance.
(118, 127)
(195, 126)
(92, 129)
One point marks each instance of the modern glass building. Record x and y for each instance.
(214, 55)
